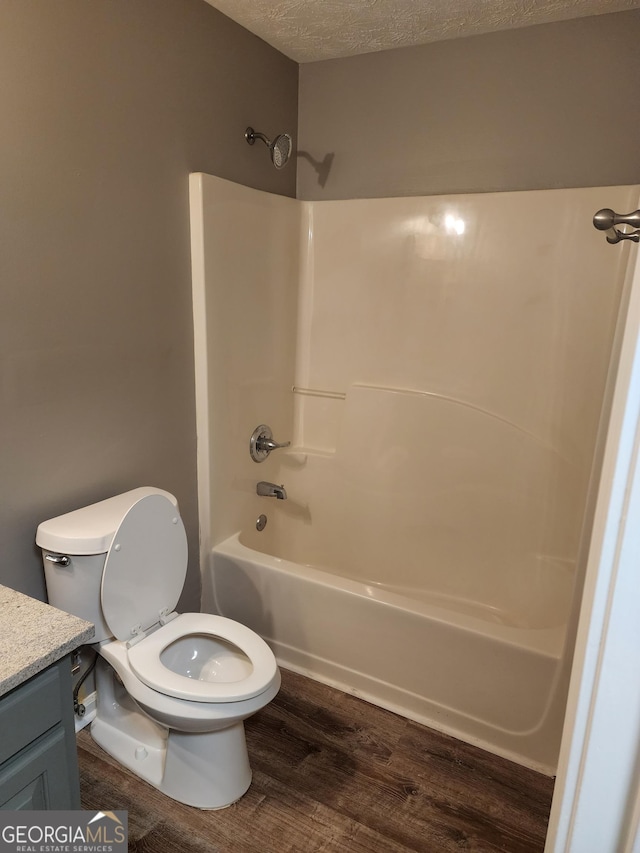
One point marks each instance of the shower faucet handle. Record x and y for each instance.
(261, 443)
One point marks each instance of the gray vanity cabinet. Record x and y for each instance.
(38, 759)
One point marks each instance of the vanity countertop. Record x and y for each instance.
(34, 635)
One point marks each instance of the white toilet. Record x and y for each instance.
(172, 690)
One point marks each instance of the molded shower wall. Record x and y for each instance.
(448, 358)
(245, 268)
(451, 363)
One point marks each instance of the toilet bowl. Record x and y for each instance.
(172, 689)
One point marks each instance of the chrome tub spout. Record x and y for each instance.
(271, 490)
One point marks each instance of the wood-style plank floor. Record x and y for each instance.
(333, 774)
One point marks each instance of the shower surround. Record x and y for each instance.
(440, 364)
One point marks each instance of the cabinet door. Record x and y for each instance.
(38, 776)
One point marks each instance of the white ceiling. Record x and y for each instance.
(309, 30)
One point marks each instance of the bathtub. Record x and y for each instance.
(460, 668)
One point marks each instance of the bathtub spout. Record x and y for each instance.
(270, 490)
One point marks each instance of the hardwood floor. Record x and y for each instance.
(333, 774)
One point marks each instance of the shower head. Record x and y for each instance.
(279, 148)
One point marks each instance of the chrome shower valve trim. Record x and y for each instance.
(261, 443)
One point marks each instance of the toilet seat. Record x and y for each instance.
(145, 662)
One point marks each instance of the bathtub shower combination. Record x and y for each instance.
(441, 366)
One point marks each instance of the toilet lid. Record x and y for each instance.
(145, 567)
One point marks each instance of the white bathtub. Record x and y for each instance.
(453, 667)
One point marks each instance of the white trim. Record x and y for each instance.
(595, 807)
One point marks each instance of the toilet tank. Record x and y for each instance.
(85, 536)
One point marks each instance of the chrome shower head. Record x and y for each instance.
(279, 148)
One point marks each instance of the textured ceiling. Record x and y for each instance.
(309, 30)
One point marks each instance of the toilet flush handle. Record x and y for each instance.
(58, 559)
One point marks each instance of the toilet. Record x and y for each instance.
(172, 689)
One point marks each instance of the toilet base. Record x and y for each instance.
(208, 770)
(201, 770)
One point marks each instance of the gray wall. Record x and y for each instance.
(537, 108)
(106, 107)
